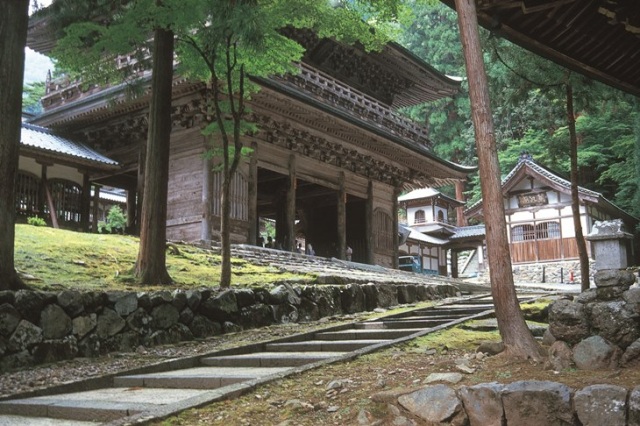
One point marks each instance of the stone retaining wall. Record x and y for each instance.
(551, 272)
(519, 403)
(41, 327)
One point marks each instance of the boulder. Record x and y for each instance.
(536, 403)
(285, 313)
(560, 356)
(407, 293)
(568, 321)
(387, 295)
(109, 323)
(437, 405)
(614, 277)
(9, 319)
(352, 299)
(25, 336)
(370, 296)
(596, 353)
(126, 304)
(179, 299)
(84, 325)
(203, 327)
(164, 316)
(72, 302)
(222, 307)
(55, 323)
(259, 315)
(56, 350)
(284, 293)
(598, 405)
(611, 321)
(483, 404)
(139, 321)
(633, 418)
(631, 355)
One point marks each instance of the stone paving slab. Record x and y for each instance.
(41, 421)
(197, 378)
(269, 359)
(405, 323)
(365, 334)
(323, 345)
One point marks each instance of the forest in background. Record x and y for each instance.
(528, 100)
(529, 106)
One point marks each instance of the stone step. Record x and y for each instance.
(41, 421)
(101, 405)
(461, 311)
(357, 334)
(323, 345)
(404, 323)
(196, 378)
(269, 359)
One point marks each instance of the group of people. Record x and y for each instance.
(308, 250)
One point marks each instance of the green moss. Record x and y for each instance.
(454, 338)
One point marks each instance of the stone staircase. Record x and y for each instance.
(138, 396)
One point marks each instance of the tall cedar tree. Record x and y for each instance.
(13, 38)
(516, 336)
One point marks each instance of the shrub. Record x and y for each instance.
(36, 221)
(116, 221)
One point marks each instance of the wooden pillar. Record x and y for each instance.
(96, 204)
(132, 219)
(86, 203)
(252, 212)
(42, 196)
(207, 199)
(460, 219)
(454, 263)
(369, 225)
(342, 219)
(142, 157)
(53, 215)
(421, 258)
(290, 234)
(394, 229)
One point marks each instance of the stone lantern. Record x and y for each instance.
(609, 242)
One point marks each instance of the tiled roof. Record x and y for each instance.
(418, 193)
(468, 231)
(43, 139)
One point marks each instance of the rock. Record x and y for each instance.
(352, 299)
(407, 293)
(229, 327)
(193, 299)
(598, 405)
(284, 293)
(259, 315)
(157, 298)
(537, 403)
(31, 303)
(387, 295)
(548, 338)
(71, 302)
(370, 296)
(245, 297)
(83, 325)
(560, 356)
(612, 322)
(285, 313)
(186, 316)
(203, 327)
(56, 350)
(9, 319)
(109, 323)
(586, 296)
(55, 323)
(443, 377)
(16, 360)
(308, 311)
(631, 355)
(180, 299)
(596, 353)
(24, 336)
(126, 304)
(483, 404)
(491, 348)
(390, 396)
(164, 316)
(614, 277)
(632, 300)
(568, 321)
(437, 404)
(634, 407)
(139, 320)
(222, 307)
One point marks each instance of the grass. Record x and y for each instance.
(55, 259)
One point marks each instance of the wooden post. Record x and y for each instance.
(51, 204)
(342, 218)
(142, 158)
(42, 193)
(290, 233)
(454, 263)
(86, 202)
(132, 209)
(253, 196)
(369, 225)
(394, 230)
(207, 195)
(460, 219)
(96, 207)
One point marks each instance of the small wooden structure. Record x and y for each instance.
(539, 217)
(54, 178)
(328, 162)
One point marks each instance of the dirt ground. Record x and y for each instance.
(340, 394)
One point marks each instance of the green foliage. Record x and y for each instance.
(31, 95)
(36, 221)
(115, 223)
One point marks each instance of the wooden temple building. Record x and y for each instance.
(330, 158)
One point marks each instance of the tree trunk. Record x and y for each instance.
(225, 232)
(517, 338)
(13, 38)
(575, 200)
(151, 264)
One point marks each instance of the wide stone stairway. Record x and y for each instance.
(180, 384)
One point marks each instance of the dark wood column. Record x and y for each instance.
(132, 210)
(454, 263)
(460, 219)
(53, 214)
(394, 230)
(341, 211)
(207, 195)
(85, 206)
(290, 237)
(369, 224)
(42, 193)
(96, 204)
(142, 158)
(252, 237)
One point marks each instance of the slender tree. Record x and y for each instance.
(516, 336)
(13, 38)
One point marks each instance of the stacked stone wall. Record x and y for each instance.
(41, 327)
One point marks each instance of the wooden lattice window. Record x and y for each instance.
(419, 217)
(382, 230)
(239, 195)
(547, 230)
(523, 233)
(27, 190)
(67, 198)
(440, 216)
